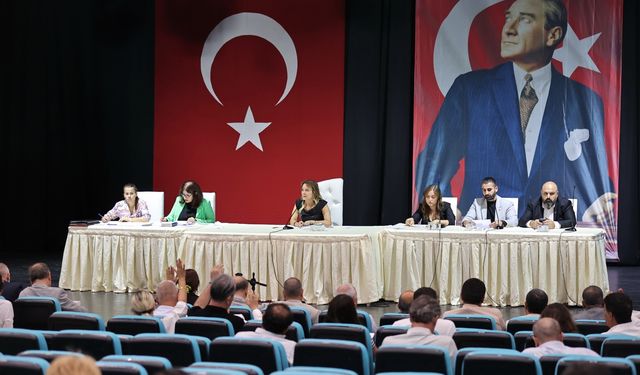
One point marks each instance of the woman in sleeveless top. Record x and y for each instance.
(310, 209)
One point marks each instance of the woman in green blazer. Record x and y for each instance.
(191, 206)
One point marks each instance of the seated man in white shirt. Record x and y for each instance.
(275, 322)
(244, 296)
(443, 326)
(472, 296)
(501, 212)
(294, 296)
(617, 315)
(172, 298)
(424, 313)
(548, 338)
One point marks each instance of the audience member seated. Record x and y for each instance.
(535, 302)
(172, 299)
(215, 301)
(593, 304)
(472, 296)
(561, 314)
(40, 277)
(293, 295)
(423, 313)
(342, 310)
(443, 326)
(548, 337)
(351, 291)
(193, 283)
(11, 288)
(617, 315)
(246, 297)
(73, 365)
(6, 311)
(275, 322)
(142, 303)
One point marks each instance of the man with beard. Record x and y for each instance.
(491, 206)
(550, 210)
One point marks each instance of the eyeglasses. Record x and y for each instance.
(187, 195)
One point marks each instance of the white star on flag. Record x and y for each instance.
(575, 53)
(249, 130)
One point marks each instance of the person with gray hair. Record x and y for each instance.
(245, 296)
(214, 302)
(548, 336)
(443, 326)
(293, 295)
(172, 298)
(40, 277)
(11, 289)
(593, 304)
(424, 313)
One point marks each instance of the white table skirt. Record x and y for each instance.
(510, 261)
(128, 258)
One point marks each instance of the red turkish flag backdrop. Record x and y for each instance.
(192, 139)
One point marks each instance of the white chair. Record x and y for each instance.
(211, 197)
(155, 203)
(331, 191)
(574, 203)
(453, 201)
(515, 203)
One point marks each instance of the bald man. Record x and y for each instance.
(550, 209)
(548, 338)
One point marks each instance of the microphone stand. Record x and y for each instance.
(573, 227)
(253, 282)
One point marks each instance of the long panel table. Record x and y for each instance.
(510, 261)
(125, 258)
(381, 262)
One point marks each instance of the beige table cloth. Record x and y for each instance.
(511, 262)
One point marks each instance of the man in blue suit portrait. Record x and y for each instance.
(522, 122)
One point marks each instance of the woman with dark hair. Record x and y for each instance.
(432, 209)
(131, 208)
(191, 206)
(342, 310)
(193, 282)
(560, 313)
(310, 209)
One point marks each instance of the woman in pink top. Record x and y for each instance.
(131, 208)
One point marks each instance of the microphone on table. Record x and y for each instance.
(287, 226)
(499, 226)
(572, 228)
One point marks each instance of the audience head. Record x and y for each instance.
(242, 286)
(277, 318)
(546, 329)
(309, 189)
(592, 296)
(617, 309)
(5, 274)
(561, 314)
(425, 291)
(167, 293)
(404, 301)
(40, 272)
(349, 290)
(342, 310)
(74, 365)
(192, 280)
(222, 290)
(142, 303)
(190, 193)
(292, 289)
(473, 291)
(424, 310)
(536, 301)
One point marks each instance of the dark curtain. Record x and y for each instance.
(378, 120)
(77, 113)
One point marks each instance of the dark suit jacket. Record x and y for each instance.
(11, 290)
(562, 213)
(479, 122)
(445, 214)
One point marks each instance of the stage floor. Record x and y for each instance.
(110, 304)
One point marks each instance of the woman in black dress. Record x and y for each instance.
(310, 209)
(432, 209)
